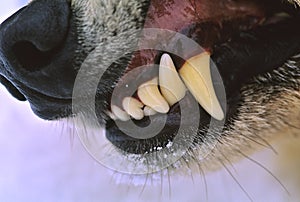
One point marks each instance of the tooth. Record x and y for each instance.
(148, 111)
(197, 77)
(150, 96)
(119, 113)
(171, 86)
(133, 107)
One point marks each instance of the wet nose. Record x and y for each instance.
(37, 46)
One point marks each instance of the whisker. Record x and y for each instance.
(83, 124)
(145, 184)
(204, 181)
(113, 176)
(161, 182)
(236, 180)
(291, 125)
(201, 173)
(265, 144)
(266, 169)
(108, 148)
(122, 163)
(228, 161)
(169, 181)
(189, 169)
(71, 132)
(131, 178)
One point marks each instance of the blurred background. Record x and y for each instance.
(41, 161)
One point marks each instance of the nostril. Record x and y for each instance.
(33, 35)
(30, 57)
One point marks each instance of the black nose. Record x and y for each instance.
(37, 51)
(37, 46)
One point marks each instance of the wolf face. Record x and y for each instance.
(255, 49)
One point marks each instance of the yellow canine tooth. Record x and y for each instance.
(171, 85)
(150, 96)
(133, 107)
(197, 78)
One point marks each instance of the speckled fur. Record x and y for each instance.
(269, 110)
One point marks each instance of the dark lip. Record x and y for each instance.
(22, 90)
(53, 108)
(45, 106)
(56, 108)
(124, 140)
(12, 89)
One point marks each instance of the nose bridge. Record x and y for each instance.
(37, 46)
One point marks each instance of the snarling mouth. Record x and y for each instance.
(242, 38)
(238, 40)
